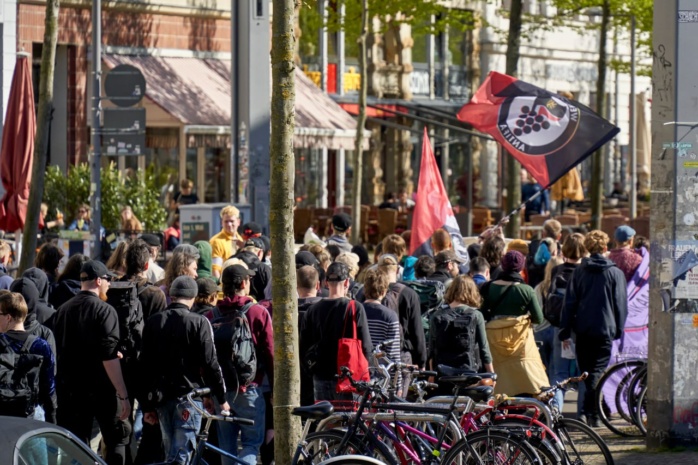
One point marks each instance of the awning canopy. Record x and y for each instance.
(197, 92)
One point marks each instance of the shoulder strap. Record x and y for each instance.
(501, 297)
(247, 306)
(28, 343)
(350, 306)
(216, 313)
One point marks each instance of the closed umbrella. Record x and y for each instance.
(17, 151)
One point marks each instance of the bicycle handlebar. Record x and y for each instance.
(225, 415)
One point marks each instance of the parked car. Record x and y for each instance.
(30, 442)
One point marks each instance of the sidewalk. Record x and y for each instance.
(632, 451)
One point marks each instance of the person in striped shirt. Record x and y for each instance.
(383, 323)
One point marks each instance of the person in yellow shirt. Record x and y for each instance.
(225, 243)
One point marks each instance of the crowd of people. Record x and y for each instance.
(120, 343)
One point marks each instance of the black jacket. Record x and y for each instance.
(27, 287)
(178, 355)
(441, 275)
(596, 300)
(152, 298)
(87, 334)
(324, 324)
(63, 291)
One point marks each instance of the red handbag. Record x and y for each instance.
(350, 354)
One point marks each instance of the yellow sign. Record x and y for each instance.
(690, 164)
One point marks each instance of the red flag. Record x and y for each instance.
(432, 208)
(547, 133)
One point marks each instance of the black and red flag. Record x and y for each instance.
(547, 133)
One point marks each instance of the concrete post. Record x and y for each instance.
(673, 338)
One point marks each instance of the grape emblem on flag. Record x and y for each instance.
(537, 125)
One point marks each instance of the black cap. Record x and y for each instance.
(341, 222)
(151, 239)
(184, 286)
(251, 229)
(267, 243)
(255, 242)
(206, 286)
(337, 271)
(93, 269)
(304, 258)
(235, 274)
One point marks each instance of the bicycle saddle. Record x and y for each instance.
(320, 410)
(446, 370)
(460, 381)
(478, 394)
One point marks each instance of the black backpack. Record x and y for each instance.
(392, 297)
(123, 296)
(232, 335)
(555, 300)
(461, 340)
(19, 378)
(431, 298)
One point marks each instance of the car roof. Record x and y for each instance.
(13, 428)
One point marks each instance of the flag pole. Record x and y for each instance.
(505, 219)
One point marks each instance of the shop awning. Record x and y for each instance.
(196, 91)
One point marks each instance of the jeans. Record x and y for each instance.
(250, 405)
(545, 338)
(563, 368)
(327, 390)
(592, 356)
(179, 423)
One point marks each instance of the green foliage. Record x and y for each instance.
(66, 194)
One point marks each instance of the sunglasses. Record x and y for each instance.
(82, 211)
(106, 278)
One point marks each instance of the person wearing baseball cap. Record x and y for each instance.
(250, 230)
(624, 256)
(324, 326)
(155, 273)
(447, 263)
(178, 355)
(246, 401)
(341, 228)
(90, 383)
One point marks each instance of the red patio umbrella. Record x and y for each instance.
(17, 151)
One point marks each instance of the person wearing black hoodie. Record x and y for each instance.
(46, 312)
(67, 285)
(37, 311)
(595, 309)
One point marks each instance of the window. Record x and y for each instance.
(47, 448)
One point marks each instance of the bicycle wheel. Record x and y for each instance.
(351, 460)
(545, 446)
(641, 411)
(323, 445)
(583, 446)
(635, 388)
(612, 398)
(491, 447)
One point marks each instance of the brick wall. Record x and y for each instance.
(119, 28)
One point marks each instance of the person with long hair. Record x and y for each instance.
(181, 264)
(450, 329)
(510, 307)
(82, 222)
(129, 222)
(493, 250)
(117, 261)
(48, 259)
(67, 284)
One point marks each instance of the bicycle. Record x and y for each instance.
(202, 443)
(618, 397)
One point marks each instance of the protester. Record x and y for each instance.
(352, 262)
(204, 263)
(154, 272)
(626, 258)
(179, 355)
(250, 230)
(544, 331)
(395, 245)
(207, 296)
(246, 401)
(479, 271)
(89, 380)
(13, 312)
(364, 262)
(324, 326)
(535, 263)
(48, 259)
(440, 241)
(383, 323)
(447, 263)
(307, 286)
(39, 315)
(5, 257)
(341, 228)
(595, 309)
(424, 267)
(40, 280)
(457, 336)
(226, 242)
(117, 261)
(180, 264)
(493, 251)
(509, 307)
(67, 284)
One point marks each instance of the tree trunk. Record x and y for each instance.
(286, 360)
(41, 140)
(360, 124)
(513, 166)
(597, 158)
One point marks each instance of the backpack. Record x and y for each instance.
(19, 378)
(354, 290)
(555, 300)
(392, 297)
(123, 296)
(231, 333)
(431, 298)
(462, 347)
